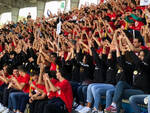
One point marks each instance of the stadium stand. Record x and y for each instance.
(98, 61)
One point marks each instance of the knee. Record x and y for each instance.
(132, 99)
(89, 87)
(84, 89)
(93, 89)
(11, 95)
(109, 93)
(79, 89)
(98, 91)
(120, 83)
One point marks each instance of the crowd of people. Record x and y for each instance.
(102, 50)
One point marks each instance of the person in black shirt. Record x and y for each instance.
(29, 16)
(140, 79)
(99, 88)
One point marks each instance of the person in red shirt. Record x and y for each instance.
(47, 90)
(9, 82)
(53, 62)
(19, 99)
(1, 47)
(64, 98)
(38, 101)
(37, 92)
(5, 77)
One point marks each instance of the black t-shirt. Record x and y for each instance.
(29, 16)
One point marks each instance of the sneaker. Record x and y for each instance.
(75, 105)
(95, 111)
(2, 109)
(80, 107)
(85, 110)
(111, 109)
(6, 111)
(11, 112)
(1, 105)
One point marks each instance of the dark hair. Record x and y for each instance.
(5, 65)
(106, 38)
(63, 72)
(107, 18)
(128, 34)
(54, 54)
(46, 70)
(9, 70)
(140, 40)
(33, 73)
(22, 68)
(12, 53)
(134, 2)
(89, 59)
(140, 11)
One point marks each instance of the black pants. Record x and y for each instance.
(55, 105)
(32, 106)
(75, 86)
(2, 87)
(37, 106)
(6, 95)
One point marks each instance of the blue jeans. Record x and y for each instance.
(12, 103)
(124, 90)
(95, 91)
(138, 99)
(75, 86)
(81, 93)
(109, 96)
(23, 102)
(18, 101)
(84, 91)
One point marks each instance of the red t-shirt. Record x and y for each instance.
(86, 29)
(25, 80)
(141, 7)
(53, 67)
(1, 48)
(66, 33)
(13, 45)
(144, 47)
(65, 93)
(112, 16)
(99, 50)
(65, 55)
(123, 24)
(112, 26)
(1, 83)
(74, 32)
(51, 94)
(101, 1)
(40, 86)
